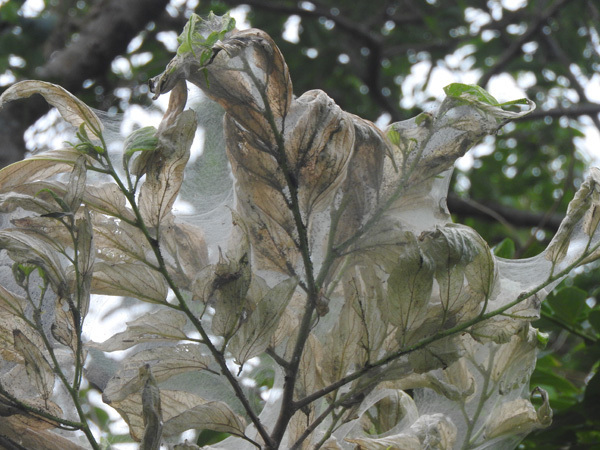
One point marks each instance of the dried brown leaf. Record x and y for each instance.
(342, 344)
(185, 242)
(70, 107)
(9, 321)
(76, 185)
(151, 410)
(33, 248)
(107, 198)
(129, 279)
(309, 371)
(164, 171)
(212, 415)
(63, 329)
(516, 417)
(319, 142)
(584, 206)
(38, 167)
(409, 287)
(29, 437)
(118, 241)
(38, 369)
(230, 286)
(165, 362)
(173, 403)
(254, 335)
(11, 303)
(162, 325)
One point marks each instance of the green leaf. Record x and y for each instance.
(141, 140)
(208, 437)
(505, 249)
(202, 34)
(470, 92)
(476, 94)
(542, 339)
(591, 398)
(100, 417)
(568, 303)
(550, 378)
(186, 38)
(10, 12)
(393, 136)
(423, 118)
(594, 319)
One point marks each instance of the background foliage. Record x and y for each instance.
(382, 60)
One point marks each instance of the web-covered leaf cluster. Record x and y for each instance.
(343, 269)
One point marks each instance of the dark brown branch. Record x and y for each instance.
(349, 26)
(401, 49)
(515, 217)
(581, 109)
(108, 29)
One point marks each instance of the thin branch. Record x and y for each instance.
(343, 23)
(586, 337)
(511, 217)
(292, 369)
(515, 47)
(581, 109)
(42, 415)
(566, 62)
(442, 334)
(217, 355)
(278, 359)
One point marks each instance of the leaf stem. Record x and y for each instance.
(72, 390)
(162, 267)
(586, 337)
(288, 407)
(425, 342)
(39, 412)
